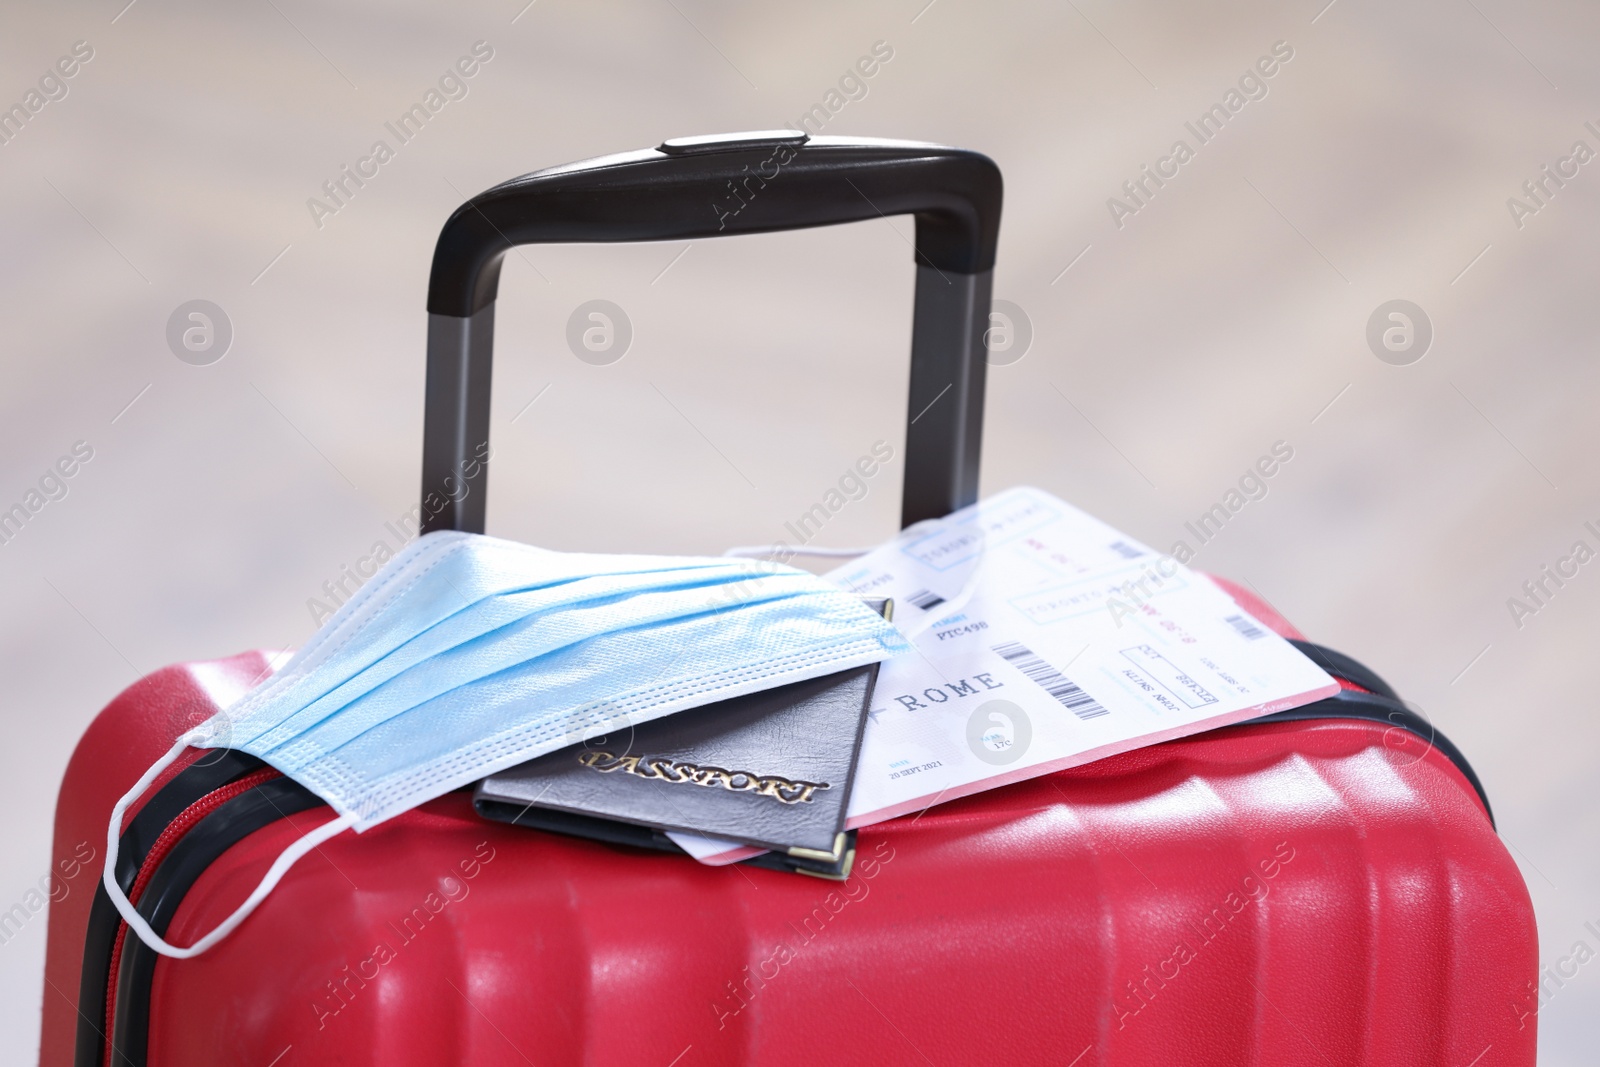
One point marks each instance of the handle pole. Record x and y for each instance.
(944, 418)
(455, 421)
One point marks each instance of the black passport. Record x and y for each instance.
(771, 769)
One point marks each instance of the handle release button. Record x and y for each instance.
(731, 142)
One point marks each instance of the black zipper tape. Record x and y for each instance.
(211, 772)
(202, 846)
(1380, 705)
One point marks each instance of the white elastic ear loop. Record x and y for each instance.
(951, 606)
(136, 922)
(763, 551)
(911, 633)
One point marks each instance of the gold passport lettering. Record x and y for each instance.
(780, 789)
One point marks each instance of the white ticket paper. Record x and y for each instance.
(1047, 640)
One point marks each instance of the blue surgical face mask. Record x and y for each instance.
(466, 655)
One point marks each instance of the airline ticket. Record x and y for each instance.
(1043, 639)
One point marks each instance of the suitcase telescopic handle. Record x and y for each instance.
(698, 187)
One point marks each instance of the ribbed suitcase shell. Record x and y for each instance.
(1325, 892)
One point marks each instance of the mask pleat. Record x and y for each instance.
(543, 705)
(456, 589)
(375, 696)
(466, 655)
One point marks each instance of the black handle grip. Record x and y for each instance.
(713, 186)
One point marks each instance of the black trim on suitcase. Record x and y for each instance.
(1374, 708)
(202, 846)
(1381, 704)
(194, 782)
(1342, 666)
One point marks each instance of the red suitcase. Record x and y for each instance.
(1321, 887)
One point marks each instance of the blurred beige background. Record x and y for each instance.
(1228, 313)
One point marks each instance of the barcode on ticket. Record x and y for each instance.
(1247, 629)
(925, 600)
(1065, 690)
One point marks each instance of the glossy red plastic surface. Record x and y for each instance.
(1297, 893)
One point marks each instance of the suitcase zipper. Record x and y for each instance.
(175, 830)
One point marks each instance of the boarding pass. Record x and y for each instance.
(1043, 639)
